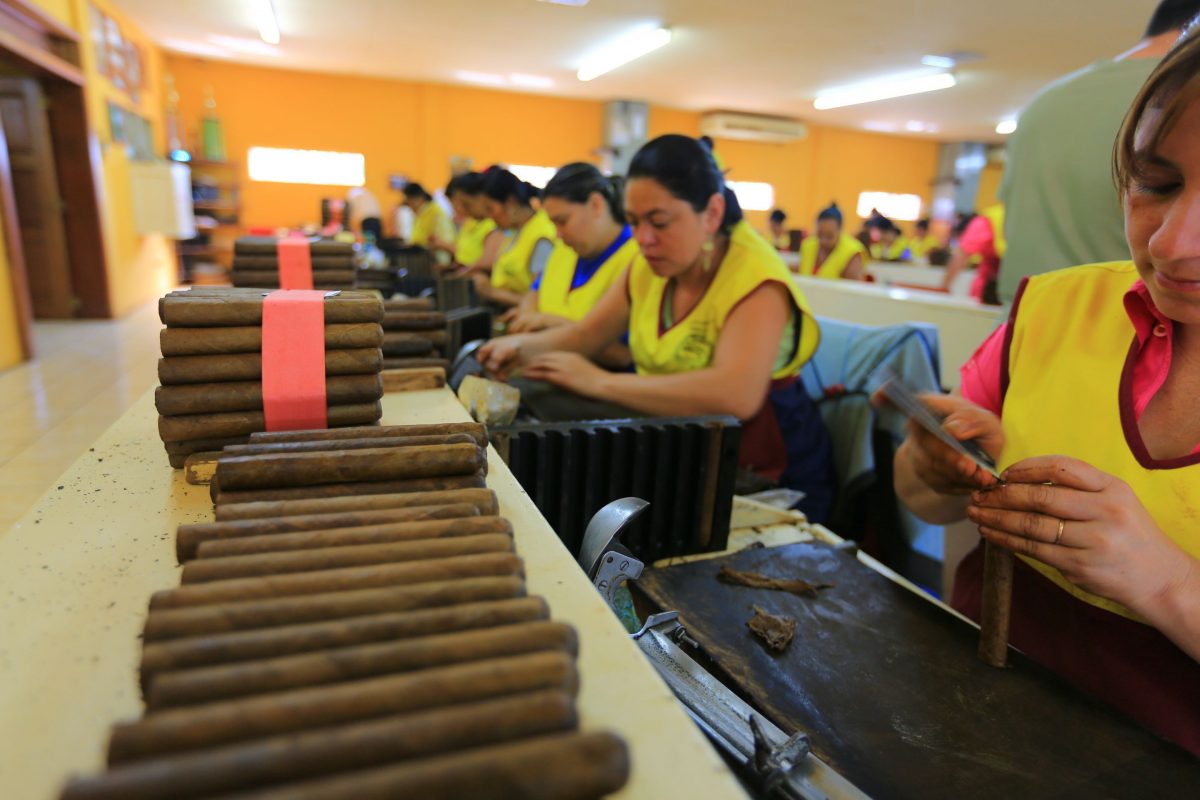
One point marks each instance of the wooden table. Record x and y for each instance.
(77, 572)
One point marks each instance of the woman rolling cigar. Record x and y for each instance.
(715, 324)
(478, 240)
(430, 220)
(1087, 398)
(586, 209)
(533, 239)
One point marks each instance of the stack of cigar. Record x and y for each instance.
(256, 263)
(211, 369)
(376, 645)
(414, 334)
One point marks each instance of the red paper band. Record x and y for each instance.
(293, 360)
(295, 263)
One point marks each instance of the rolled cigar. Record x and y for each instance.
(202, 570)
(415, 363)
(178, 460)
(179, 729)
(223, 310)
(189, 536)
(248, 339)
(996, 605)
(339, 580)
(177, 623)
(409, 304)
(242, 261)
(211, 684)
(437, 429)
(483, 499)
(279, 759)
(391, 338)
(273, 470)
(218, 398)
(392, 533)
(404, 345)
(413, 320)
(239, 423)
(576, 766)
(445, 483)
(248, 366)
(269, 245)
(249, 645)
(202, 445)
(269, 279)
(349, 444)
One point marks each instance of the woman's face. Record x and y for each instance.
(668, 230)
(828, 233)
(1162, 218)
(477, 206)
(461, 206)
(501, 212)
(579, 225)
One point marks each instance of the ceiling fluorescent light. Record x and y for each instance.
(575, 3)
(1006, 127)
(268, 23)
(623, 51)
(884, 89)
(531, 81)
(941, 62)
(484, 78)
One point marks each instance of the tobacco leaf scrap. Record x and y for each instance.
(775, 630)
(757, 580)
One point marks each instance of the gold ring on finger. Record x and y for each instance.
(1062, 524)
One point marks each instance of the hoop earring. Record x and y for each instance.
(707, 250)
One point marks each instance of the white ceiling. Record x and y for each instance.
(766, 56)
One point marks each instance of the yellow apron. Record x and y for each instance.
(894, 253)
(512, 269)
(555, 295)
(468, 246)
(837, 261)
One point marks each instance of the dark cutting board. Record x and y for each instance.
(890, 691)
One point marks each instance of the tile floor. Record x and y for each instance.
(85, 376)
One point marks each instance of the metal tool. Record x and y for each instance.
(779, 765)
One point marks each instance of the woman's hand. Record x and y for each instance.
(483, 285)
(570, 371)
(935, 463)
(500, 356)
(530, 321)
(1088, 525)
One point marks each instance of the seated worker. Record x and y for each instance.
(715, 324)
(832, 253)
(363, 214)
(597, 248)
(430, 222)
(477, 237)
(533, 239)
(922, 241)
(777, 230)
(980, 244)
(1088, 400)
(892, 246)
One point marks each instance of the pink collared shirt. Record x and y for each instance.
(1155, 338)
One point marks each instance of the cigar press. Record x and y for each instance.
(777, 765)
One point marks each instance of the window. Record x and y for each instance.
(322, 167)
(753, 196)
(904, 207)
(538, 176)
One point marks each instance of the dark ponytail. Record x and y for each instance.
(499, 184)
(833, 212)
(415, 190)
(576, 182)
(686, 169)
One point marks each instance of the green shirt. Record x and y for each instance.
(1060, 202)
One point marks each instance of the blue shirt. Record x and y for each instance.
(585, 268)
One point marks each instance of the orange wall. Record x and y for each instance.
(414, 129)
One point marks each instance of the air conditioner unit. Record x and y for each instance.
(751, 127)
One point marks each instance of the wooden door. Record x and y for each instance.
(39, 206)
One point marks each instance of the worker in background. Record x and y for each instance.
(510, 204)
(715, 324)
(892, 245)
(363, 213)
(596, 250)
(777, 230)
(1087, 399)
(430, 222)
(922, 241)
(478, 240)
(981, 245)
(1057, 183)
(832, 253)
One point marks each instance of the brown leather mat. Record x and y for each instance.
(890, 691)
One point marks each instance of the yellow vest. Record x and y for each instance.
(555, 295)
(921, 247)
(894, 253)
(995, 215)
(511, 271)
(1069, 346)
(691, 342)
(468, 245)
(430, 221)
(835, 264)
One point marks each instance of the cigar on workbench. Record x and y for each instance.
(248, 339)
(225, 424)
(483, 499)
(223, 496)
(245, 307)
(248, 366)
(474, 429)
(409, 304)
(272, 470)
(249, 645)
(269, 278)
(400, 320)
(217, 398)
(324, 751)
(415, 363)
(211, 724)
(271, 261)
(347, 444)
(269, 245)
(407, 346)
(211, 684)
